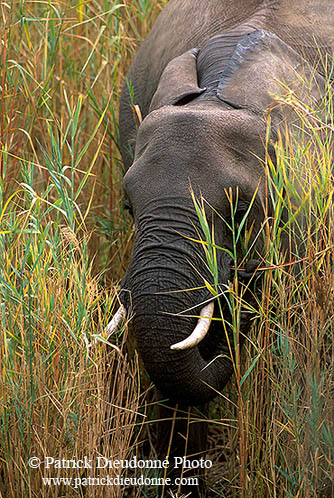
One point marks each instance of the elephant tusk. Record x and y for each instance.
(111, 327)
(200, 330)
(117, 319)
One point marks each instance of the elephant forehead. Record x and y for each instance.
(202, 127)
(212, 150)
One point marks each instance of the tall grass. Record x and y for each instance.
(64, 238)
(65, 241)
(279, 418)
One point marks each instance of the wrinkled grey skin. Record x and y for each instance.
(204, 80)
(207, 127)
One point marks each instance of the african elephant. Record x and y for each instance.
(205, 80)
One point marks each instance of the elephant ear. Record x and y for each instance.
(262, 71)
(178, 82)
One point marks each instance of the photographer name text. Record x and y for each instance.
(102, 462)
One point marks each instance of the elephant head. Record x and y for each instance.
(207, 128)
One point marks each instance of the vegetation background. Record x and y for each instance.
(65, 242)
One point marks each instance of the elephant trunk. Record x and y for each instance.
(167, 294)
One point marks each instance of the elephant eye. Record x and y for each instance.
(127, 206)
(240, 212)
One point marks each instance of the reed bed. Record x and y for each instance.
(277, 416)
(65, 241)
